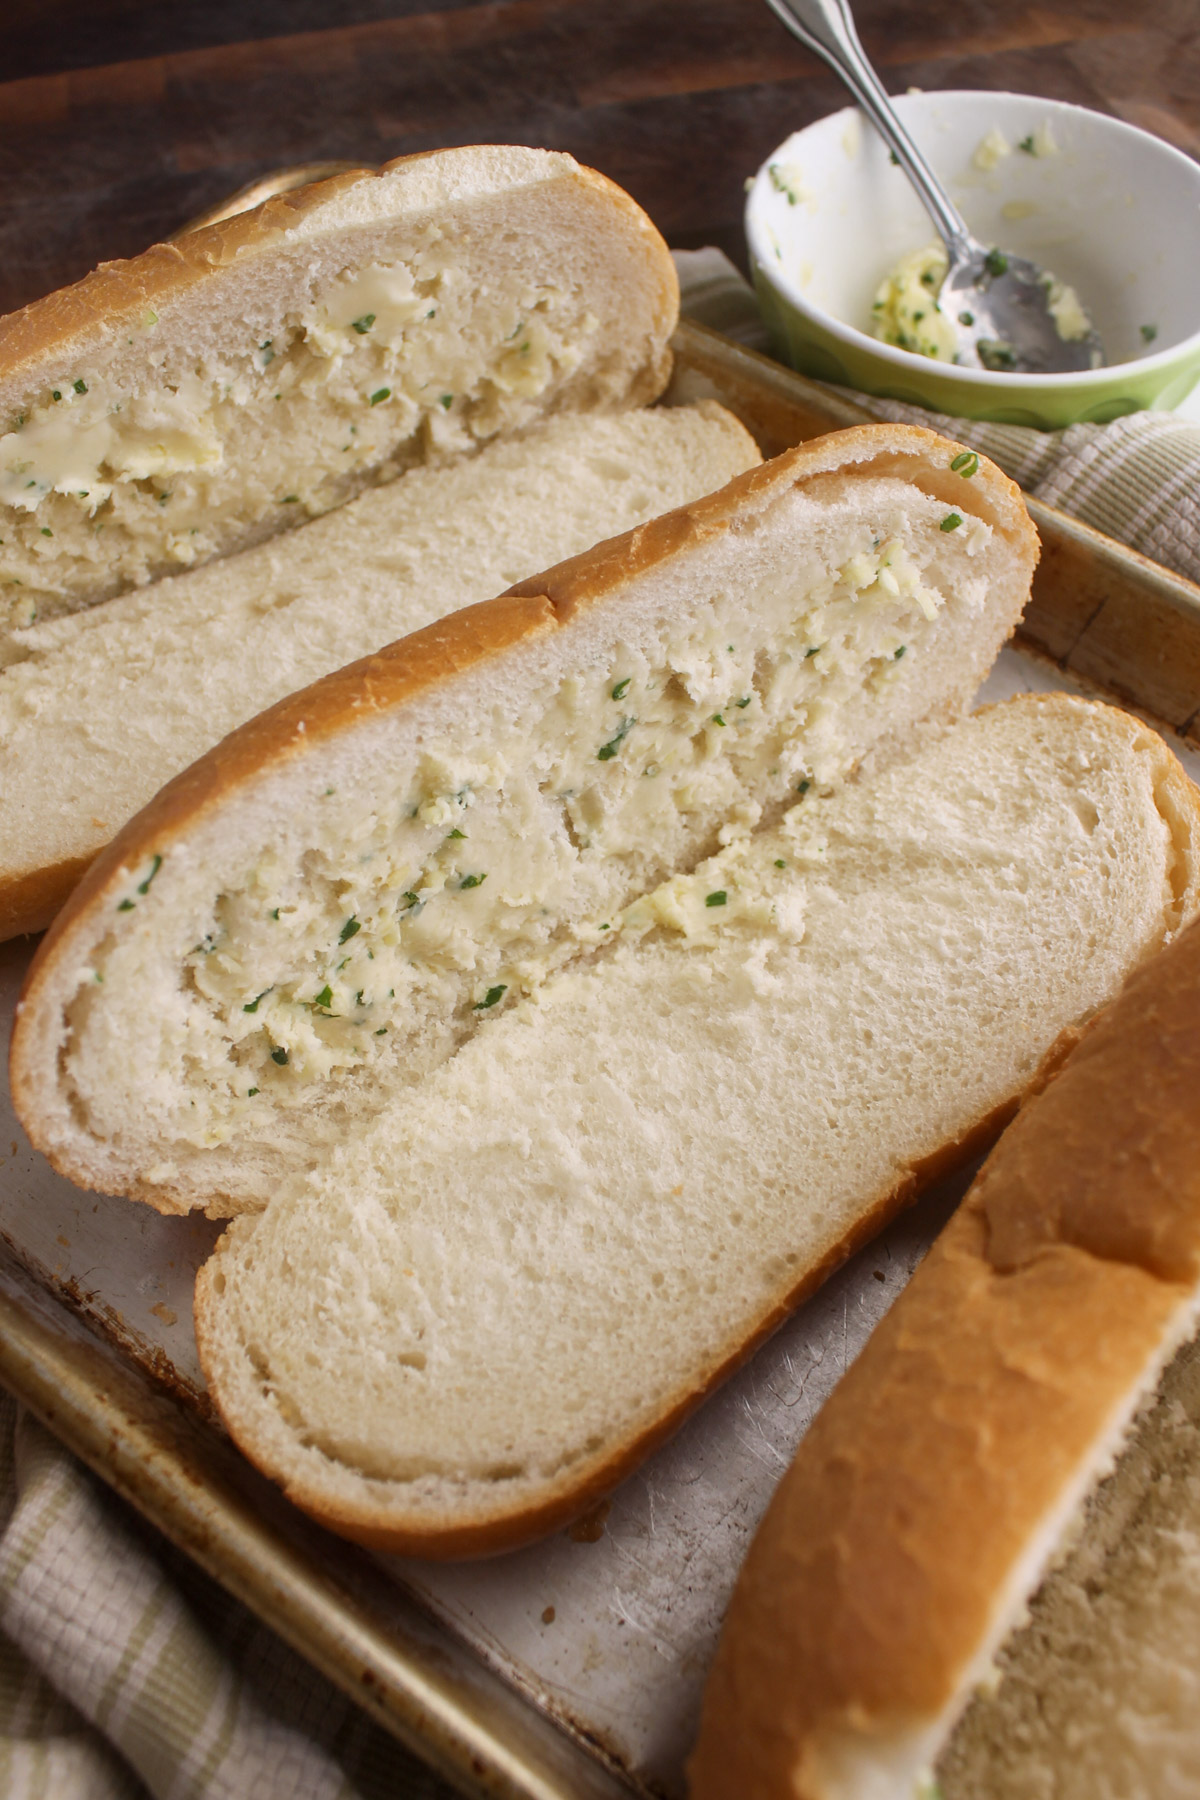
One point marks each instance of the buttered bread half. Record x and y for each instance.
(106, 705)
(214, 392)
(343, 893)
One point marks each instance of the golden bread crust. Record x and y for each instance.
(880, 1570)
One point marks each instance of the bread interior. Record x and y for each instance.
(345, 922)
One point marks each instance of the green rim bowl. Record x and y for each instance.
(1108, 208)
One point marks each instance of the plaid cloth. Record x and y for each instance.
(1137, 479)
(124, 1671)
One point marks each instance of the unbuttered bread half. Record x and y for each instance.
(213, 392)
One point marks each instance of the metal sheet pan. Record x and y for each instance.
(573, 1668)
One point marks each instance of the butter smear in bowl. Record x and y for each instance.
(848, 280)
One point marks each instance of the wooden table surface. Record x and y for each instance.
(119, 120)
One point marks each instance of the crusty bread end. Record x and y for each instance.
(926, 1500)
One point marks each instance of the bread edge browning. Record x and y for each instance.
(397, 676)
(928, 1497)
(30, 898)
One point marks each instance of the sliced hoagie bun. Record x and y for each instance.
(331, 903)
(107, 705)
(212, 392)
(476, 1316)
(887, 1592)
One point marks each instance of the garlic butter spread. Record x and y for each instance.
(391, 365)
(906, 312)
(533, 839)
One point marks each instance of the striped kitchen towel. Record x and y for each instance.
(126, 1673)
(1137, 479)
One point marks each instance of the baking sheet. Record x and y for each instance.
(607, 1628)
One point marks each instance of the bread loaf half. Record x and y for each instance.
(477, 1316)
(106, 705)
(330, 905)
(882, 1643)
(212, 392)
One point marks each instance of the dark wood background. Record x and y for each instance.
(120, 120)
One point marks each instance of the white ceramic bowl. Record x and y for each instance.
(1111, 210)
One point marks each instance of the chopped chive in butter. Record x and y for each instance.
(717, 899)
(411, 900)
(447, 401)
(899, 653)
(324, 998)
(781, 184)
(56, 395)
(745, 702)
(951, 522)
(1027, 145)
(473, 881)
(250, 1093)
(382, 1032)
(251, 1006)
(966, 464)
(812, 650)
(363, 325)
(155, 866)
(380, 394)
(995, 262)
(1149, 333)
(622, 688)
(456, 833)
(780, 863)
(490, 998)
(279, 1055)
(290, 500)
(125, 906)
(803, 785)
(349, 929)
(606, 752)
(46, 531)
(717, 719)
(80, 388)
